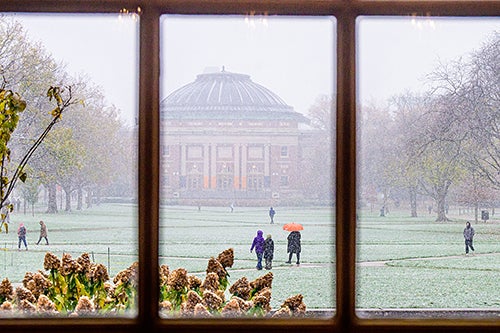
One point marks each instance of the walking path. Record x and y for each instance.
(381, 263)
(385, 262)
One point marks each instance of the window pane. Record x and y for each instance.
(428, 162)
(247, 111)
(78, 77)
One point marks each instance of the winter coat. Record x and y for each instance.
(21, 232)
(294, 242)
(258, 243)
(268, 249)
(468, 233)
(43, 229)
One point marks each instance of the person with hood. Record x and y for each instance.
(269, 251)
(293, 246)
(21, 234)
(258, 245)
(468, 235)
(43, 233)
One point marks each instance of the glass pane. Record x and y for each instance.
(246, 136)
(428, 162)
(69, 215)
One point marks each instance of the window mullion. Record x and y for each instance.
(345, 169)
(148, 173)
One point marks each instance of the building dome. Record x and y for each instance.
(225, 95)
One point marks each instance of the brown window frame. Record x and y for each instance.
(346, 12)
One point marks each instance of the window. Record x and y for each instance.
(346, 13)
(284, 151)
(166, 150)
(412, 184)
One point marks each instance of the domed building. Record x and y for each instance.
(228, 139)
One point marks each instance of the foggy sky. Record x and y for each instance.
(294, 57)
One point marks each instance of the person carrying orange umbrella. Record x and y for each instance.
(293, 241)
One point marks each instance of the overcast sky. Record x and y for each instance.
(293, 57)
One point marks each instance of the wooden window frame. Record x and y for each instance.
(346, 12)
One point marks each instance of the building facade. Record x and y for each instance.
(228, 139)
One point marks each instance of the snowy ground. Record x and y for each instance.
(402, 262)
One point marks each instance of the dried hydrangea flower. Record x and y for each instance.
(84, 261)
(194, 282)
(164, 272)
(177, 279)
(51, 262)
(192, 299)
(221, 294)
(231, 309)
(226, 258)
(97, 272)
(295, 304)
(84, 306)
(244, 305)
(6, 289)
(24, 294)
(241, 288)
(282, 313)
(28, 276)
(216, 267)
(37, 283)
(266, 292)
(128, 275)
(262, 282)
(69, 266)
(165, 306)
(26, 306)
(211, 282)
(45, 305)
(262, 302)
(134, 273)
(187, 307)
(6, 306)
(211, 300)
(200, 311)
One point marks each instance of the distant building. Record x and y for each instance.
(228, 139)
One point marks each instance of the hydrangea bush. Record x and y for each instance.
(79, 287)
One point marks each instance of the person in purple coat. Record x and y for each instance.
(258, 245)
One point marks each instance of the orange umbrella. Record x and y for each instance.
(293, 227)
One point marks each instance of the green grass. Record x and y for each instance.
(403, 262)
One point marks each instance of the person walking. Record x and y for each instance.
(293, 246)
(43, 233)
(468, 235)
(269, 251)
(258, 245)
(21, 234)
(272, 212)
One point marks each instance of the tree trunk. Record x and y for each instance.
(441, 193)
(79, 200)
(52, 201)
(67, 207)
(476, 211)
(413, 201)
(89, 199)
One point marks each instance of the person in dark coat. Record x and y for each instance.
(269, 251)
(258, 245)
(293, 246)
(272, 212)
(468, 235)
(43, 233)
